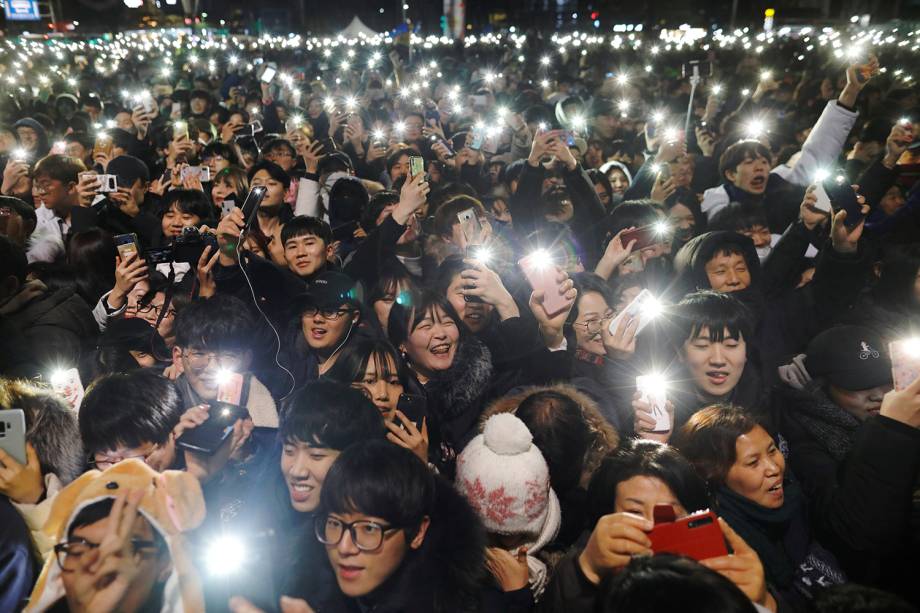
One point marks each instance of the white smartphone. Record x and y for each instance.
(823, 202)
(202, 172)
(644, 307)
(653, 392)
(268, 75)
(13, 434)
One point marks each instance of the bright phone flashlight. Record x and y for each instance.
(225, 556)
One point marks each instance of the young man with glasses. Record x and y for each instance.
(55, 196)
(329, 312)
(397, 537)
(130, 415)
(319, 422)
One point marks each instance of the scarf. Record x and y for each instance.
(536, 568)
(826, 422)
(782, 539)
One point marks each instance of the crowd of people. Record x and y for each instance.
(461, 328)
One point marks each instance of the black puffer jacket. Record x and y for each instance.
(445, 575)
(859, 479)
(49, 332)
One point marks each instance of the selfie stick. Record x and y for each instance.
(694, 81)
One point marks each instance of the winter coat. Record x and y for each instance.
(604, 439)
(50, 331)
(821, 149)
(18, 568)
(859, 478)
(445, 575)
(785, 320)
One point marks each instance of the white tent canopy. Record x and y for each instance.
(356, 29)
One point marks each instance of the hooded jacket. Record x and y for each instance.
(42, 148)
(858, 477)
(445, 575)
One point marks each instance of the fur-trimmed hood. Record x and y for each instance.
(604, 437)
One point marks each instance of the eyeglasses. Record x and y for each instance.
(366, 535)
(148, 308)
(593, 326)
(201, 359)
(43, 187)
(279, 154)
(104, 462)
(330, 314)
(68, 554)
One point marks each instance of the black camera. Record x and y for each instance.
(187, 247)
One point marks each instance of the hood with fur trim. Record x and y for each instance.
(604, 437)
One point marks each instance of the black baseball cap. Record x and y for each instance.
(331, 289)
(851, 357)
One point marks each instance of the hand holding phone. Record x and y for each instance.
(541, 273)
(13, 434)
(644, 308)
(697, 536)
(654, 394)
(251, 204)
(127, 246)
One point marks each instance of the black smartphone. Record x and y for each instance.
(414, 407)
(209, 436)
(252, 203)
(345, 231)
(696, 68)
(433, 114)
(843, 196)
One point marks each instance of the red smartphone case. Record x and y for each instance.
(644, 236)
(696, 536)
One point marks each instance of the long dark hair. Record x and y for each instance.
(91, 254)
(643, 458)
(352, 362)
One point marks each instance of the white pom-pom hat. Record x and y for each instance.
(506, 480)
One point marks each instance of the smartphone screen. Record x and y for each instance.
(268, 74)
(103, 145)
(126, 244)
(416, 165)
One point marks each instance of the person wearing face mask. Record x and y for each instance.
(684, 216)
(856, 457)
(621, 502)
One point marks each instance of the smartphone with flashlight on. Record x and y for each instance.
(653, 392)
(644, 308)
(268, 75)
(180, 130)
(905, 362)
(5, 214)
(644, 236)
(541, 274)
(224, 412)
(842, 196)
(251, 204)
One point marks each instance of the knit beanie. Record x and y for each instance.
(504, 477)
